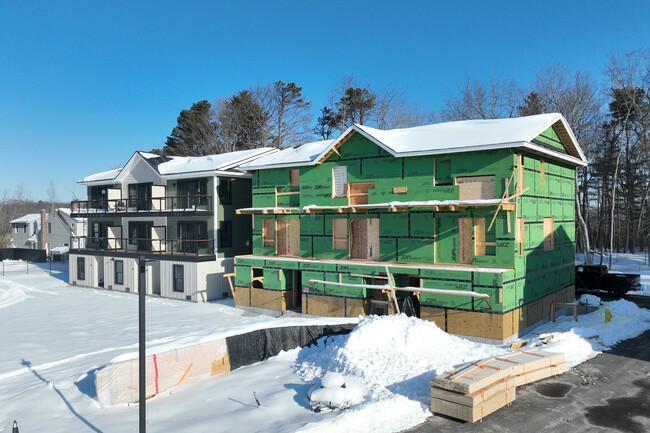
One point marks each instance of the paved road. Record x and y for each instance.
(608, 393)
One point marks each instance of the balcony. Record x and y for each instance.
(138, 246)
(165, 206)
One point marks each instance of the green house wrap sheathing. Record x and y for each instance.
(418, 242)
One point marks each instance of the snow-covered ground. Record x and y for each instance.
(627, 264)
(55, 336)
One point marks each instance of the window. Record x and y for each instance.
(340, 234)
(178, 271)
(548, 234)
(268, 233)
(225, 234)
(294, 178)
(81, 268)
(193, 192)
(193, 236)
(225, 191)
(49, 227)
(119, 272)
(339, 179)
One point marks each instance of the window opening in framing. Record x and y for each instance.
(257, 278)
(268, 233)
(339, 180)
(358, 192)
(340, 234)
(484, 242)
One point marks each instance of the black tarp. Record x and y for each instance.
(24, 254)
(256, 346)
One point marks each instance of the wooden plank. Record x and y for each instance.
(475, 399)
(479, 236)
(476, 413)
(474, 376)
(541, 373)
(400, 190)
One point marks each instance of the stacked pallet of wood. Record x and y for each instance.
(477, 389)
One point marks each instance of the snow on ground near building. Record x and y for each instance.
(627, 264)
(56, 336)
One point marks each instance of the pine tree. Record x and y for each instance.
(355, 106)
(533, 104)
(242, 123)
(289, 113)
(194, 134)
(326, 123)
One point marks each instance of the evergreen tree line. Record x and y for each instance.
(610, 118)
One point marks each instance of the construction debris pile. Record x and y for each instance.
(477, 389)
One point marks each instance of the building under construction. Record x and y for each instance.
(468, 224)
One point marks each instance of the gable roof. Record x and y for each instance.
(26, 218)
(179, 165)
(442, 138)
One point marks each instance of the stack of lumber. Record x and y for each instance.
(475, 390)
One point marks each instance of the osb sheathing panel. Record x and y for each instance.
(435, 315)
(242, 296)
(356, 307)
(485, 325)
(328, 306)
(270, 299)
(570, 294)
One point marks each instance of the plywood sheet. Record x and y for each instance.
(328, 306)
(476, 187)
(474, 376)
(242, 296)
(288, 237)
(435, 315)
(271, 299)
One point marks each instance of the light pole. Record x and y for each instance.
(142, 401)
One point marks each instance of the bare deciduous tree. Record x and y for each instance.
(497, 98)
(394, 110)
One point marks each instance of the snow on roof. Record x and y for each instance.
(188, 164)
(174, 165)
(299, 155)
(60, 249)
(26, 219)
(460, 136)
(103, 176)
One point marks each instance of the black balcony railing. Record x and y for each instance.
(192, 247)
(147, 204)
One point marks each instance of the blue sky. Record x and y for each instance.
(85, 84)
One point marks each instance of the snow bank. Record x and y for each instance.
(396, 357)
(588, 337)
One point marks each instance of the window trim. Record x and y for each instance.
(81, 268)
(119, 275)
(176, 279)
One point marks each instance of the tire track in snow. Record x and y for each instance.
(11, 294)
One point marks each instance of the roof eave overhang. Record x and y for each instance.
(555, 155)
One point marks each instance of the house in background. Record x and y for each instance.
(177, 213)
(469, 224)
(59, 228)
(26, 231)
